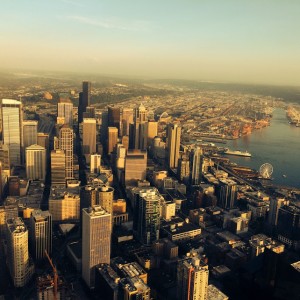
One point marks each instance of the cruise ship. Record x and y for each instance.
(237, 153)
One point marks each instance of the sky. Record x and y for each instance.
(245, 41)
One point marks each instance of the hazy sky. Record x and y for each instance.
(219, 40)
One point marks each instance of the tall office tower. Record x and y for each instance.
(58, 166)
(196, 166)
(90, 112)
(4, 158)
(227, 193)
(140, 128)
(36, 162)
(43, 140)
(114, 114)
(65, 207)
(96, 238)
(95, 163)
(84, 99)
(88, 196)
(125, 141)
(7, 211)
(65, 109)
(106, 198)
(112, 139)
(11, 111)
(174, 134)
(89, 136)
(14, 186)
(29, 134)
(147, 216)
(275, 204)
(104, 127)
(288, 226)
(126, 120)
(121, 154)
(66, 139)
(17, 252)
(192, 279)
(152, 127)
(183, 169)
(40, 233)
(135, 166)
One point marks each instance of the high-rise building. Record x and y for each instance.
(7, 211)
(65, 109)
(95, 163)
(135, 166)
(192, 278)
(106, 198)
(126, 120)
(140, 128)
(43, 140)
(40, 233)
(114, 114)
(227, 193)
(88, 138)
(66, 139)
(112, 139)
(147, 216)
(36, 162)
(152, 127)
(17, 252)
(275, 204)
(4, 158)
(65, 207)
(197, 166)
(174, 134)
(29, 134)
(96, 239)
(288, 226)
(11, 111)
(58, 166)
(84, 99)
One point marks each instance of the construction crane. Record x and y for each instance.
(55, 275)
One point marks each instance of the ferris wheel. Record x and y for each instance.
(266, 171)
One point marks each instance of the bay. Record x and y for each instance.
(277, 144)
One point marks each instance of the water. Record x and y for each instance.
(277, 144)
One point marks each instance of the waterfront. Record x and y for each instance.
(277, 144)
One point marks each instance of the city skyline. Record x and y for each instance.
(228, 42)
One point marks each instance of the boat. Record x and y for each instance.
(237, 153)
(284, 176)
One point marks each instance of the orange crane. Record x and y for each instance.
(55, 275)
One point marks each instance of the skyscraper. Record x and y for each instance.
(84, 99)
(112, 139)
(65, 109)
(96, 238)
(17, 250)
(95, 163)
(11, 111)
(40, 233)
(174, 134)
(135, 166)
(29, 134)
(114, 113)
(66, 139)
(58, 167)
(227, 193)
(106, 198)
(151, 131)
(147, 216)
(126, 119)
(88, 138)
(36, 162)
(275, 204)
(140, 127)
(196, 166)
(192, 279)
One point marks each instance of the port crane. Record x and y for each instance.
(55, 276)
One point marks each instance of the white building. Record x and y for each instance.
(36, 162)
